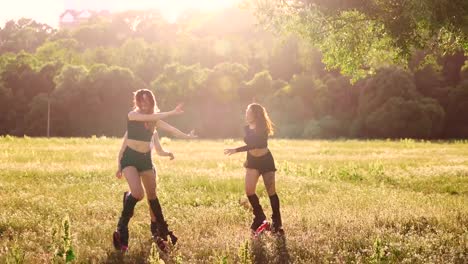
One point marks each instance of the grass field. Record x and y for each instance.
(342, 201)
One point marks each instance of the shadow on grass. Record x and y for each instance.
(259, 251)
(282, 250)
(114, 257)
(140, 254)
(270, 250)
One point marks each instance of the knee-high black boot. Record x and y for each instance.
(276, 216)
(121, 235)
(259, 215)
(154, 228)
(161, 226)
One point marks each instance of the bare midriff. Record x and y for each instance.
(140, 146)
(258, 152)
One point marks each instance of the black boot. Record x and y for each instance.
(121, 234)
(154, 228)
(161, 227)
(277, 225)
(259, 215)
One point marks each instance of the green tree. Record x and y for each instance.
(358, 36)
(399, 118)
(92, 102)
(23, 35)
(285, 61)
(457, 107)
(287, 112)
(6, 104)
(306, 87)
(157, 57)
(326, 127)
(20, 85)
(36, 117)
(178, 83)
(387, 83)
(391, 107)
(62, 50)
(152, 27)
(100, 55)
(96, 35)
(144, 59)
(181, 84)
(218, 96)
(340, 98)
(258, 89)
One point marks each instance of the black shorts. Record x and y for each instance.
(263, 164)
(141, 161)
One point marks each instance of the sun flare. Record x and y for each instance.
(48, 11)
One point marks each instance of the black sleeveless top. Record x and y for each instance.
(253, 140)
(138, 130)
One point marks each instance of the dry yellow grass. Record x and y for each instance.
(342, 201)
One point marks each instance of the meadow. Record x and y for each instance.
(343, 201)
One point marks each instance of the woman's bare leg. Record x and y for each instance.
(251, 179)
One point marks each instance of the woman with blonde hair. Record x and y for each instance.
(135, 164)
(259, 162)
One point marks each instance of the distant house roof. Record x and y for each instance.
(84, 14)
(67, 18)
(68, 12)
(72, 17)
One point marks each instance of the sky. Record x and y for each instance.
(48, 11)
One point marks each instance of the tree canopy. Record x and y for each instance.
(220, 62)
(358, 36)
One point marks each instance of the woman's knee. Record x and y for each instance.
(151, 195)
(250, 187)
(139, 195)
(270, 188)
(249, 190)
(269, 181)
(251, 179)
(271, 191)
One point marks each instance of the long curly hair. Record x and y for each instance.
(263, 124)
(138, 98)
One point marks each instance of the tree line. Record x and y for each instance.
(216, 63)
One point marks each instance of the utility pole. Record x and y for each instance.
(48, 115)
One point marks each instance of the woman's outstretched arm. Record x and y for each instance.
(174, 131)
(255, 142)
(135, 116)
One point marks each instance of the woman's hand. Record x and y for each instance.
(229, 152)
(118, 174)
(170, 155)
(178, 109)
(192, 135)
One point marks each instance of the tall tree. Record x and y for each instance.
(358, 36)
(24, 34)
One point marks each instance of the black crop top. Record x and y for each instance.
(253, 140)
(137, 130)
